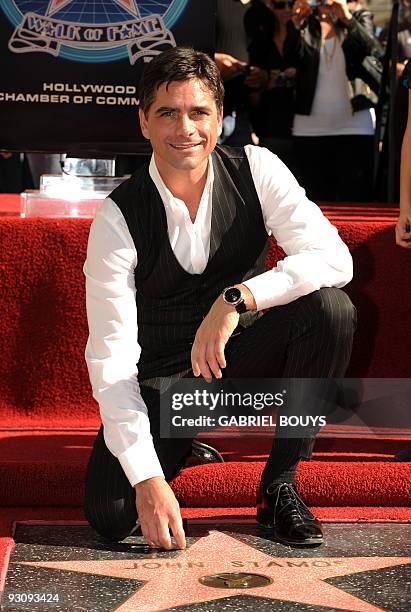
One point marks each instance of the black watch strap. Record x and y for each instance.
(241, 307)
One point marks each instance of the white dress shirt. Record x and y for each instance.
(316, 257)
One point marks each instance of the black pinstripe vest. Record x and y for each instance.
(171, 302)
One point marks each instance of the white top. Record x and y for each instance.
(331, 113)
(316, 257)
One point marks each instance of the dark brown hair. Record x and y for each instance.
(179, 64)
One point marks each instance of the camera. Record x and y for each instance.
(283, 80)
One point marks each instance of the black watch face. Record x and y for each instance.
(232, 295)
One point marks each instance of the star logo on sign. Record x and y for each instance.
(56, 5)
(175, 581)
(129, 5)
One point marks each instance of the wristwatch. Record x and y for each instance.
(234, 297)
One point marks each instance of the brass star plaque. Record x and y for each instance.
(235, 580)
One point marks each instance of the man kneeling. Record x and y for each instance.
(176, 286)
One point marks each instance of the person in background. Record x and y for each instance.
(333, 141)
(404, 37)
(361, 12)
(15, 174)
(239, 77)
(365, 95)
(398, 98)
(403, 226)
(274, 49)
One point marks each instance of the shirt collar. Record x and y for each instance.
(165, 194)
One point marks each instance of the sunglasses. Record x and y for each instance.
(282, 4)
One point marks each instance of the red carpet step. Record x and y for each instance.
(43, 328)
(322, 483)
(47, 468)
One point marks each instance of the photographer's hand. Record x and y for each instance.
(290, 72)
(302, 10)
(257, 78)
(272, 82)
(340, 10)
(228, 65)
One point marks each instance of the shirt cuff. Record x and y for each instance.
(140, 462)
(269, 289)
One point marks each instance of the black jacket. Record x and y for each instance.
(357, 44)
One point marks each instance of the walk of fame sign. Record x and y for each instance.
(88, 28)
(71, 68)
(220, 566)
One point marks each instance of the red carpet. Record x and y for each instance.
(44, 385)
(47, 468)
(43, 308)
(9, 204)
(320, 483)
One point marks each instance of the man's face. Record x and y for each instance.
(182, 125)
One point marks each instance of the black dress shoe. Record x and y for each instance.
(280, 509)
(202, 453)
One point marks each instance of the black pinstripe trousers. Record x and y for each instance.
(308, 338)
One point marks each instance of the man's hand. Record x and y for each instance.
(158, 511)
(228, 65)
(403, 230)
(207, 353)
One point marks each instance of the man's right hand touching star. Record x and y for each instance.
(159, 512)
